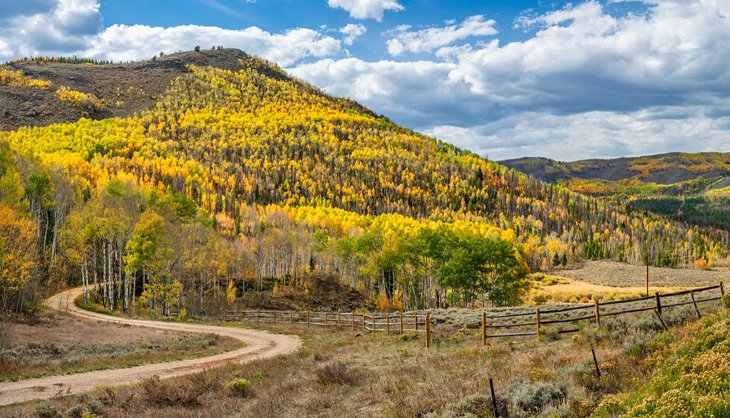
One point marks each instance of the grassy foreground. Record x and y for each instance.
(351, 374)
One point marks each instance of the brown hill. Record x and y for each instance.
(663, 169)
(122, 88)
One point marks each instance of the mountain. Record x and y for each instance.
(710, 169)
(228, 170)
(693, 188)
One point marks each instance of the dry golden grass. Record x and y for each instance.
(342, 373)
(555, 289)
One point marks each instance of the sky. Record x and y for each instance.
(505, 79)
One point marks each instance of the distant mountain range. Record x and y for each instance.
(691, 187)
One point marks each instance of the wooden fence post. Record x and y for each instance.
(274, 317)
(416, 322)
(494, 399)
(484, 328)
(291, 317)
(537, 317)
(595, 362)
(363, 322)
(307, 319)
(258, 319)
(325, 319)
(352, 319)
(428, 330)
(658, 315)
(658, 303)
(694, 302)
(598, 314)
(722, 296)
(400, 314)
(339, 317)
(387, 323)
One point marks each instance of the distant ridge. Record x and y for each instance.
(664, 169)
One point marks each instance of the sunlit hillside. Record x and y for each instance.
(236, 176)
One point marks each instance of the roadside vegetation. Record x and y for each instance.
(353, 374)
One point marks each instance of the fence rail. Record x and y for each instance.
(600, 310)
(391, 323)
(420, 322)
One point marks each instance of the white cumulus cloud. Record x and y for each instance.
(352, 31)
(74, 27)
(366, 9)
(586, 83)
(430, 39)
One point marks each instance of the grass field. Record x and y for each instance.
(55, 344)
(353, 374)
(622, 275)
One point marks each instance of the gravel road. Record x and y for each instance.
(259, 345)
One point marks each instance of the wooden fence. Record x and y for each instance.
(391, 323)
(531, 323)
(492, 322)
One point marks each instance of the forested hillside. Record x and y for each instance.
(239, 174)
(691, 188)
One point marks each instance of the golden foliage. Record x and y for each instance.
(18, 79)
(79, 99)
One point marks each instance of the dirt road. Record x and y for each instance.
(260, 345)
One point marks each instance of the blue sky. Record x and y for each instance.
(595, 78)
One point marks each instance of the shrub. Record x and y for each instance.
(539, 299)
(336, 373)
(18, 79)
(79, 99)
(239, 387)
(637, 344)
(183, 392)
(85, 406)
(532, 398)
(476, 405)
(48, 409)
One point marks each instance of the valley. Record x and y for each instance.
(152, 198)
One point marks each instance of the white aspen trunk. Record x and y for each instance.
(85, 279)
(96, 277)
(112, 276)
(104, 277)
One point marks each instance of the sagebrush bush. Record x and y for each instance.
(239, 387)
(173, 392)
(48, 409)
(86, 406)
(532, 398)
(336, 373)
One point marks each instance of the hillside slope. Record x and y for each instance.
(292, 182)
(692, 188)
(122, 89)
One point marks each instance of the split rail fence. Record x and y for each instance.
(493, 323)
(397, 323)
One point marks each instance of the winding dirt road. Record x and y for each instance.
(259, 345)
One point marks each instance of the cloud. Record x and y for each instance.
(366, 9)
(586, 83)
(56, 27)
(428, 40)
(592, 134)
(74, 27)
(124, 43)
(14, 8)
(352, 31)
